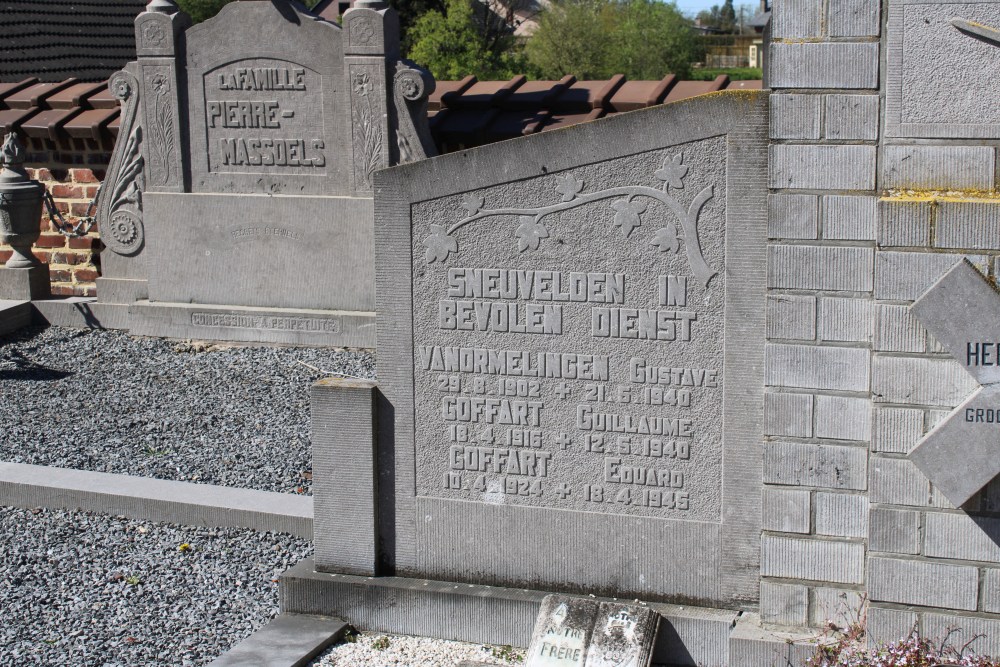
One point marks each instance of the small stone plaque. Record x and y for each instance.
(577, 631)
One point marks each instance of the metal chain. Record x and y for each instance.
(81, 228)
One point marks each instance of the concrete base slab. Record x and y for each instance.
(14, 315)
(482, 614)
(121, 290)
(282, 326)
(752, 645)
(80, 313)
(290, 640)
(25, 284)
(23, 485)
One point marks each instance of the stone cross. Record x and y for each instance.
(962, 454)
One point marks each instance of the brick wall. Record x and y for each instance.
(72, 175)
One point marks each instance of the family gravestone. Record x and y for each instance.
(570, 366)
(238, 205)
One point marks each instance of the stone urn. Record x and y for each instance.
(20, 205)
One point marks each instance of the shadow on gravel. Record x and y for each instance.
(27, 370)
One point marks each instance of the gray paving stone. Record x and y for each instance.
(786, 510)
(853, 117)
(788, 414)
(817, 367)
(849, 217)
(894, 531)
(791, 317)
(822, 167)
(922, 583)
(795, 116)
(792, 216)
(845, 319)
(831, 268)
(823, 466)
(824, 65)
(904, 222)
(813, 559)
(937, 167)
(841, 515)
(898, 482)
(784, 604)
(290, 640)
(843, 418)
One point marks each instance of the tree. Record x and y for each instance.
(595, 39)
(200, 10)
(458, 43)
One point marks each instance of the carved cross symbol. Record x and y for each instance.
(563, 490)
(563, 390)
(564, 440)
(962, 454)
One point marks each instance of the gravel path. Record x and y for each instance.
(109, 402)
(377, 650)
(86, 589)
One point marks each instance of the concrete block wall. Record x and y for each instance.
(824, 74)
(860, 225)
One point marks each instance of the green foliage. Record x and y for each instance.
(456, 44)
(381, 643)
(411, 10)
(199, 10)
(595, 39)
(735, 73)
(723, 18)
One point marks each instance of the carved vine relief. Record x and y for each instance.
(628, 206)
(368, 132)
(161, 130)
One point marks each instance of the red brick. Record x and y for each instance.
(60, 275)
(82, 242)
(51, 241)
(63, 290)
(5, 255)
(86, 275)
(67, 192)
(90, 191)
(62, 207)
(83, 176)
(42, 255)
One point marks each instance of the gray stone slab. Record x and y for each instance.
(829, 268)
(289, 640)
(841, 514)
(122, 290)
(788, 414)
(981, 634)
(819, 166)
(844, 608)
(923, 40)
(846, 319)
(24, 284)
(261, 251)
(904, 276)
(817, 367)
(854, 18)
(792, 216)
(922, 381)
(344, 475)
(897, 330)
(889, 625)
(849, 218)
(795, 116)
(905, 222)
(811, 559)
(928, 584)
(843, 418)
(562, 633)
(897, 481)
(962, 537)
(851, 117)
(81, 313)
(787, 510)
(754, 646)
(23, 485)
(937, 167)
(688, 636)
(818, 465)
(624, 634)
(791, 317)
(967, 224)
(447, 244)
(284, 326)
(824, 65)
(897, 429)
(894, 531)
(14, 315)
(784, 604)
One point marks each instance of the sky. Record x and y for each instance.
(692, 7)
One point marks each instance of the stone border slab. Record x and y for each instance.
(482, 614)
(14, 315)
(23, 485)
(289, 640)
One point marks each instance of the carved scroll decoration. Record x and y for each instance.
(629, 205)
(119, 207)
(411, 86)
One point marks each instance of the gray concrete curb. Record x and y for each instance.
(14, 315)
(184, 503)
(289, 640)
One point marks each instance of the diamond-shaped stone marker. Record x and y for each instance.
(962, 454)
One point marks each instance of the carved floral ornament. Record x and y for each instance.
(630, 203)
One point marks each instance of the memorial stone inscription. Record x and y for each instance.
(587, 346)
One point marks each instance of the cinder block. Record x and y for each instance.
(904, 222)
(922, 381)
(786, 510)
(788, 414)
(822, 167)
(784, 604)
(961, 537)
(854, 18)
(792, 216)
(982, 634)
(968, 225)
(841, 607)
(816, 367)
(922, 583)
(897, 429)
(852, 117)
(820, 268)
(898, 482)
(888, 625)
(795, 116)
(791, 317)
(905, 276)
(812, 559)
(937, 167)
(846, 319)
(991, 591)
(841, 515)
(796, 18)
(894, 531)
(824, 65)
(823, 466)
(897, 330)
(849, 217)
(843, 418)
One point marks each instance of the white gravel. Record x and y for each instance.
(379, 650)
(82, 589)
(109, 402)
